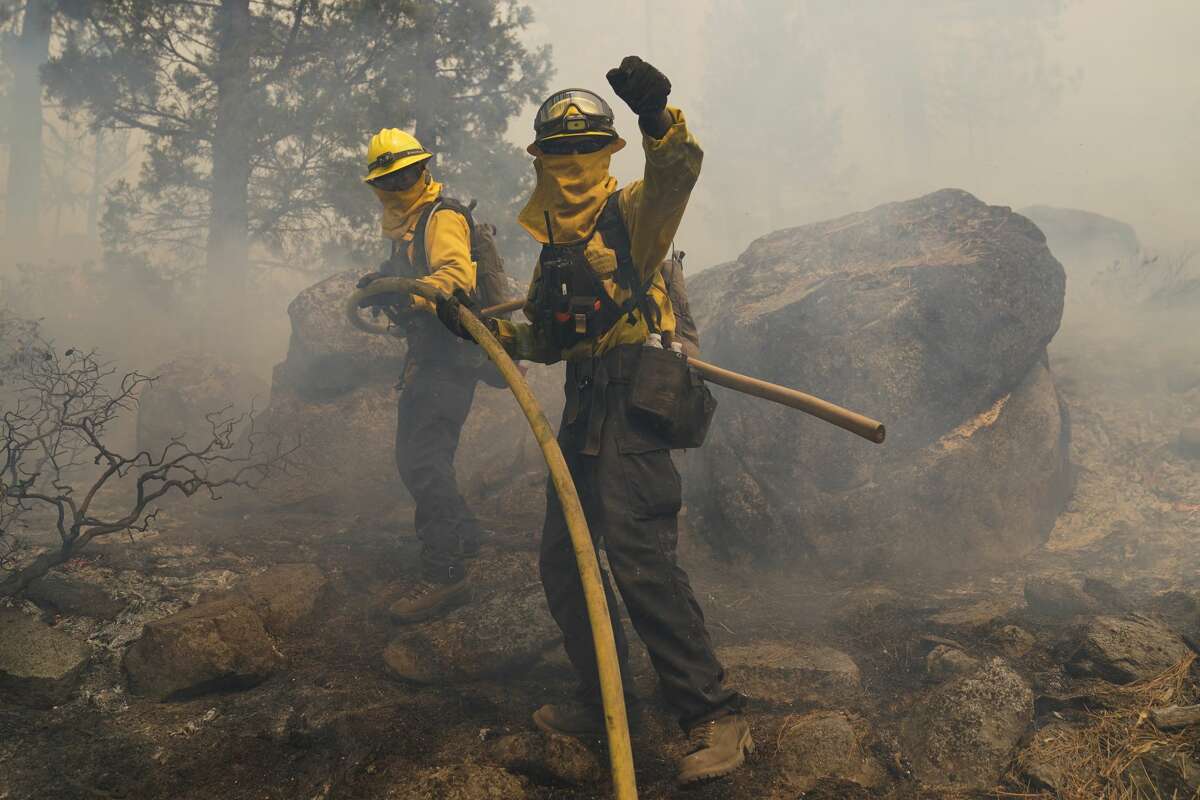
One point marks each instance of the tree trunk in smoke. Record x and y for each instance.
(28, 52)
(425, 126)
(93, 207)
(229, 221)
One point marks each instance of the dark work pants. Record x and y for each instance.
(630, 492)
(434, 404)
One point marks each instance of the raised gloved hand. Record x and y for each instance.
(643, 88)
(447, 312)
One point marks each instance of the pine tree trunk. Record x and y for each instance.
(93, 206)
(229, 220)
(425, 126)
(24, 189)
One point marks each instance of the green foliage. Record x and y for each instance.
(323, 78)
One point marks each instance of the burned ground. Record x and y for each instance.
(334, 723)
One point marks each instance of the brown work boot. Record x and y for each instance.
(582, 720)
(717, 748)
(427, 599)
(570, 719)
(470, 546)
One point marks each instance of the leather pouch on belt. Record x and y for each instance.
(670, 396)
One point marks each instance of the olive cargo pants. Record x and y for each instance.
(434, 403)
(630, 492)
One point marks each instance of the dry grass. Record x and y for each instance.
(1096, 760)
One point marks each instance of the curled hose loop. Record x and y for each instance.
(379, 286)
(615, 721)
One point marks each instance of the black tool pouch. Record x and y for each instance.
(670, 395)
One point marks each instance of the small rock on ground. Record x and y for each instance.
(977, 615)
(39, 666)
(1178, 610)
(65, 595)
(214, 646)
(1014, 641)
(547, 759)
(506, 631)
(461, 782)
(1043, 771)
(1164, 772)
(824, 745)
(964, 733)
(1126, 649)
(1175, 717)
(1057, 599)
(944, 662)
(785, 673)
(285, 595)
(1109, 597)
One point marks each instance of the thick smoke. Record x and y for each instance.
(809, 110)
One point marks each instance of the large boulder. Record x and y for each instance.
(335, 393)
(931, 315)
(327, 356)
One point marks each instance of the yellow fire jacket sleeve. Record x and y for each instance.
(448, 244)
(653, 208)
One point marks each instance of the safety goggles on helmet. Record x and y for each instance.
(385, 160)
(573, 112)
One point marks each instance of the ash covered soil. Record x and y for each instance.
(1036, 678)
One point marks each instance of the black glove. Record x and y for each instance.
(368, 279)
(447, 312)
(397, 300)
(643, 88)
(400, 300)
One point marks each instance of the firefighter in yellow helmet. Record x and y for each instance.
(597, 299)
(430, 237)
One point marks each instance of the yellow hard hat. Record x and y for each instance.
(393, 149)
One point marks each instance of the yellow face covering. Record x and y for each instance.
(572, 188)
(400, 209)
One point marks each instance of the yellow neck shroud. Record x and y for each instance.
(401, 210)
(572, 189)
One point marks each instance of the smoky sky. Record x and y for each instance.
(808, 110)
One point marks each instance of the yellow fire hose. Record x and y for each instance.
(611, 692)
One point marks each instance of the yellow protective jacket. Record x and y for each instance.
(447, 239)
(652, 209)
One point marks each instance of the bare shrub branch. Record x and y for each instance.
(54, 456)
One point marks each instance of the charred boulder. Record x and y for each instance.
(932, 315)
(336, 394)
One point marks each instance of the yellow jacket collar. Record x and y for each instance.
(401, 210)
(572, 189)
